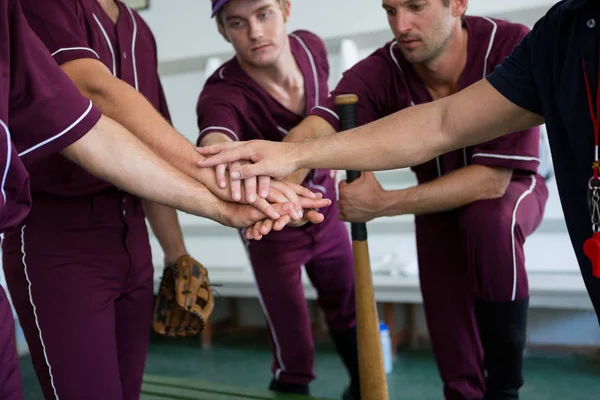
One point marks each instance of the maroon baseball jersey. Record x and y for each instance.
(41, 111)
(386, 83)
(233, 103)
(75, 29)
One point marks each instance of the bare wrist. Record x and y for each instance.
(172, 255)
(220, 212)
(388, 204)
(298, 154)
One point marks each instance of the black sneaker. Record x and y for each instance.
(288, 387)
(351, 394)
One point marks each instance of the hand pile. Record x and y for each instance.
(280, 203)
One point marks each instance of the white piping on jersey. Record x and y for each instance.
(34, 309)
(328, 110)
(29, 150)
(485, 65)
(394, 43)
(221, 73)
(506, 157)
(112, 52)
(265, 311)
(492, 37)
(312, 65)
(8, 157)
(220, 128)
(285, 132)
(512, 234)
(135, 75)
(74, 48)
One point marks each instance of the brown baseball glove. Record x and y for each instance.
(185, 300)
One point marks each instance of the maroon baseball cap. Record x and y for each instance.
(217, 5)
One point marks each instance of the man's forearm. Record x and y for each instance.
(111, 153)
(417, 134)
(122, 103)
(449, 192)
(310, 128)
(165, 226)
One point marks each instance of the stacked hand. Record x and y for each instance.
(279, 203)
(264, 158)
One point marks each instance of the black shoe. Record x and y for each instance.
(503, 331)
(346, 346)
(351, 393)
(287, 387)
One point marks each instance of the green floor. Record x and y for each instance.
(245, 362)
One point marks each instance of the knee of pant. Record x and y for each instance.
(485, 220)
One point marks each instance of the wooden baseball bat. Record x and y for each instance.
(373, 381)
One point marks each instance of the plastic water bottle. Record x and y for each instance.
(386, 346)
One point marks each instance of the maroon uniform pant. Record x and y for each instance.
(471, 254)
(325, 252)
(81, 278)
(10, 375)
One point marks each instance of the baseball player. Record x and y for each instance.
(31, 86)
(474, 206)
(264, 91)
(84, 246)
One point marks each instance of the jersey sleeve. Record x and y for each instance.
(370, 80)
(216, 114)
(60, 25)
(513, 78)
(517, 150)
(46, 111)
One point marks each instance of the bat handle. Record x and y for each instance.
(351, 176)
(358, 229)
(346, 108)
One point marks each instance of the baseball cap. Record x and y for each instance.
(217, 5)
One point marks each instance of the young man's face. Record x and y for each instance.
(422, 28)
(256, 29)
